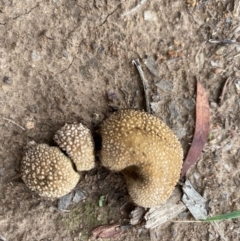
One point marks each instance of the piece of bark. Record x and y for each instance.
(195, 203)
(201, 129)
(159, 215)
(137, 215)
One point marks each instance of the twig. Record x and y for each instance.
(13, 122)
(187, 221)
(144, 83)
(222, 41)
(133, 9)
(14, 178)
(227, 84)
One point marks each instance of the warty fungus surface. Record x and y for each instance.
(47, 171)
(76, 140)
(146, 151)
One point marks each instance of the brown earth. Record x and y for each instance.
(66, 61)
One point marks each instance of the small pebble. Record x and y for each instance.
(7, 80)
(101, 49)
(111, 94)
(154, 106)
(35, 56)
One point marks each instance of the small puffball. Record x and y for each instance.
(47, 171)
(146, 151)
(77, 141)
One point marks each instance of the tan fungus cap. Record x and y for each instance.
(146, 151)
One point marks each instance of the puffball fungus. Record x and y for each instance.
(146, 151)
(77, 141)
(47, 171)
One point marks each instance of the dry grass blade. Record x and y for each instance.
(13, 122)
(235, 214)
(201, 129)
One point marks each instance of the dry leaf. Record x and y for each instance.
(201, 129)
(175, 54)
(195, 203)
(107, 231)
(192, 3)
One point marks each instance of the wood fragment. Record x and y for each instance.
(222, 41)
(13, 122)
(159, 215)
(144, 83)
(201, 129)
(133, 9)
(137, 215)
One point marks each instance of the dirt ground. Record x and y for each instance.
(71, 60)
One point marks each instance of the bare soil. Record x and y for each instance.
(70, 61)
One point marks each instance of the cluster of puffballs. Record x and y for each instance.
(135, 143)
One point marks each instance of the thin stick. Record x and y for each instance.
(133, 9)
(222, 41)
(188, 221)
(13, 122)
(144, 83)
(227, 84)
